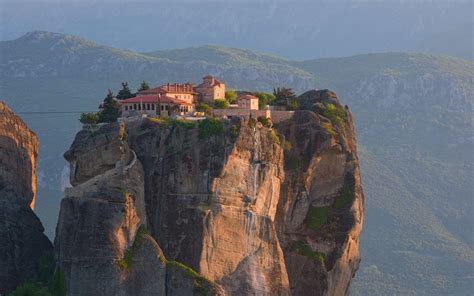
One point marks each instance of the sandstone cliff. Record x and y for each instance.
(253, 210)
(23, 243)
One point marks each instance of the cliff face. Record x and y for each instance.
(21, 233)
(320, 212)
(250, 211)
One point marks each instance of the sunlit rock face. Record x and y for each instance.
(23, 242)
(253, 210)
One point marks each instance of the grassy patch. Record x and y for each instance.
(317, 217)
(201, 284)
(187, 124)
(126, 262)
(304, 249)
(274, 137)
(210, 127)
(328, 128)
(344, 199)
(337, 115)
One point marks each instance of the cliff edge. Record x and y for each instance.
(231, 207)
(23, 243)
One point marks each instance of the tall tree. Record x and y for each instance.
(125, 92)
(144, 86)
(111, 109)
(283, 96)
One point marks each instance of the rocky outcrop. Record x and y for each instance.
(320, 212)
(102, 244)
(23, 242)
(249, 210)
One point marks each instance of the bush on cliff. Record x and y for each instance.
(89, 118)
(265, 121)
(210, 127)
(336, 114)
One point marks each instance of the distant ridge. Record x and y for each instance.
(413, 117)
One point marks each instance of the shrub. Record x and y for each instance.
(187, 124)
(265, 121)
(317, 217)
(345, 197)
(201, 284)
(30, 289)
(231, 96)
(210, 127)
(328, 128)
(221, 104)
(336, 115)
(203, 107)
(127, 260)
(274, 136)
(293, 104)
(304, 249)
(264, 99)
(89, 118)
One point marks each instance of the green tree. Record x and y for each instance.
(89, 118)
(203, 107)
(264, 99)
(144, 86)
(125, 92)
(111, 109)
(231, 96)
(221, 104)
(283, 96)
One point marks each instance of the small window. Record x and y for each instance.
(126, 108)
(134, 106)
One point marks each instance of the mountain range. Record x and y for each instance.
(413, 117)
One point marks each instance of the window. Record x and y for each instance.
(134, 106)
(152, 106)
(126, 108)
(167, 107)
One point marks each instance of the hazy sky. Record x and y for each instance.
(295, 29)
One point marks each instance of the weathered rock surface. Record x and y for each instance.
(253, 213)
(320, 212)
(22, 239)
(101, 242)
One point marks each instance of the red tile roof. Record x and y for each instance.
(171, 100)
(140, 99)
